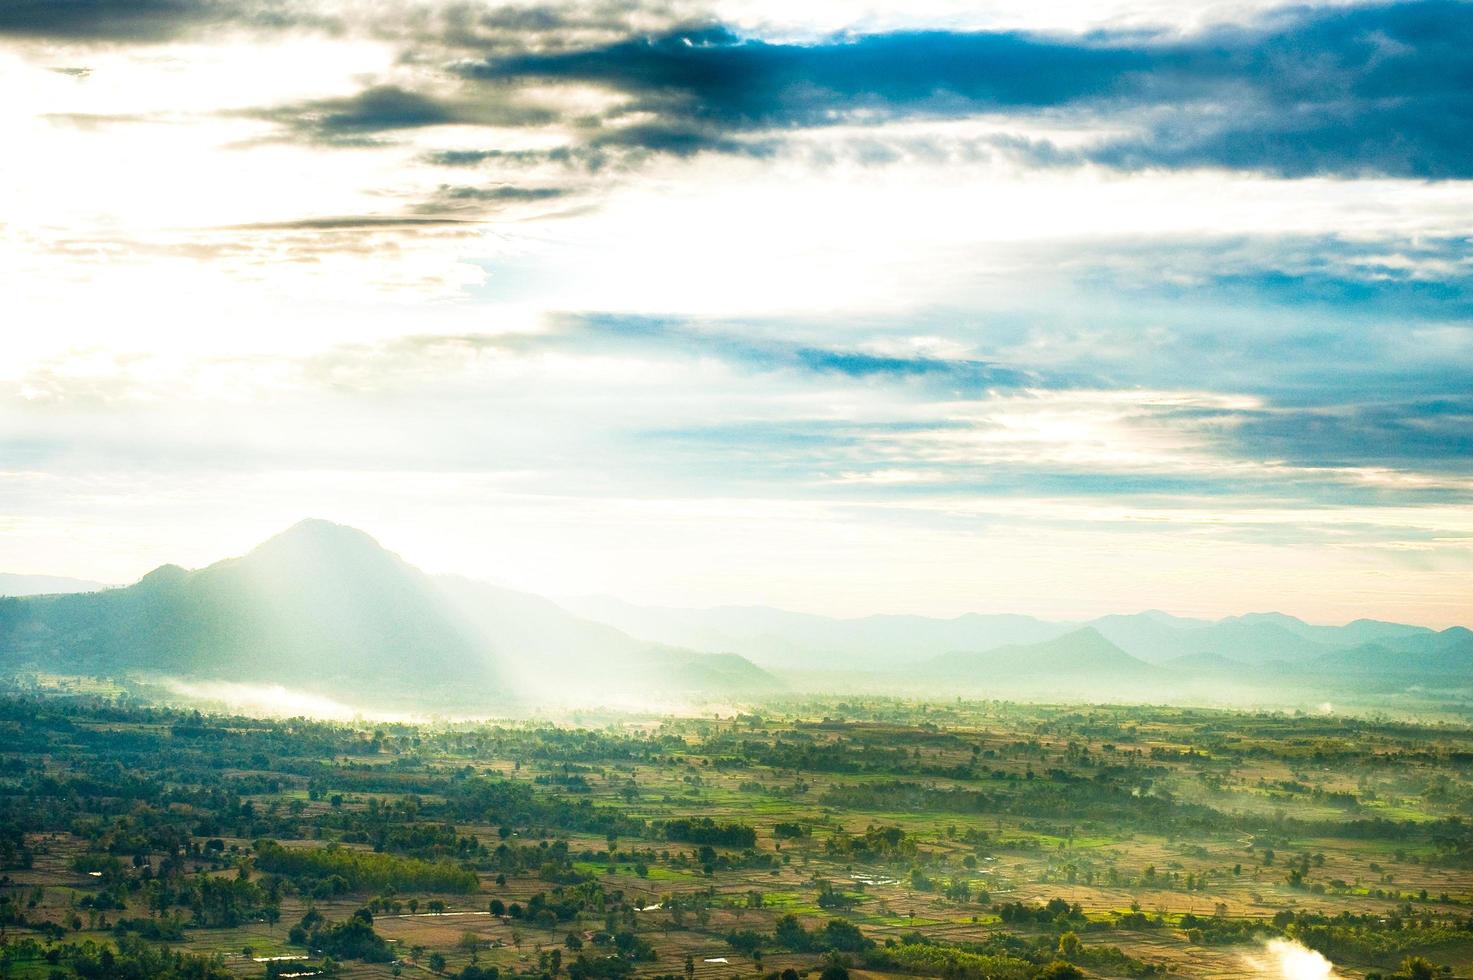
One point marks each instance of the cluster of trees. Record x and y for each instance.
(563, 904)
(704, 830)
(1371, 938)
(876, 843)
(508, 802)
(353, 939)
(365, 870)
(1006, 957)
(130, 959)
(1055, 911)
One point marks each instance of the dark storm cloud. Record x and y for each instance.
(1384, 89)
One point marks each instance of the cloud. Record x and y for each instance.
(960, 376)
(1374, 89)
(144, 21)
(360, 119)
(1428, 435)
(499, 193)
(715, 75)
(1383, 89)
(351, 222)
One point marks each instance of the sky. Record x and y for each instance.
(925, 306)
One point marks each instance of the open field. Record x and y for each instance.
(889, 838)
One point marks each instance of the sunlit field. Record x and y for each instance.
(883, 837)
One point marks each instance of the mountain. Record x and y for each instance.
(545, 648)
(23, 585)
(319, 602)
(1356, 633)
(1446, 654)
(1199, 664)
(777, 638)
(326, 608)
(1247, 640)
(1082, 654)
(1247, 649)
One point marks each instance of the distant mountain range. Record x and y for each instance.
(325, 608)
(1258, 645)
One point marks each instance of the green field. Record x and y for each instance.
(880, 837)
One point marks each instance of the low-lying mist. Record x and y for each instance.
(1284, 959)
(272, 701)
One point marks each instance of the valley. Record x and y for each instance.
(880, 837)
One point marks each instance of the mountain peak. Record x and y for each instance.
(164, 575)
(317, 528)
(319, 538)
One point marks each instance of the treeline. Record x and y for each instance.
(1122, 803)
(704, 830)
(515, 804)
(365, 870)
(132, 959)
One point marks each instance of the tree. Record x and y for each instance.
(437, 962)
(690, 965)
(1059, 970)
(1418, 968)
(834, 972)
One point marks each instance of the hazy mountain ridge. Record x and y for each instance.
(325, 607)
(777, 638)
(1082, 654)
(1279, 643)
